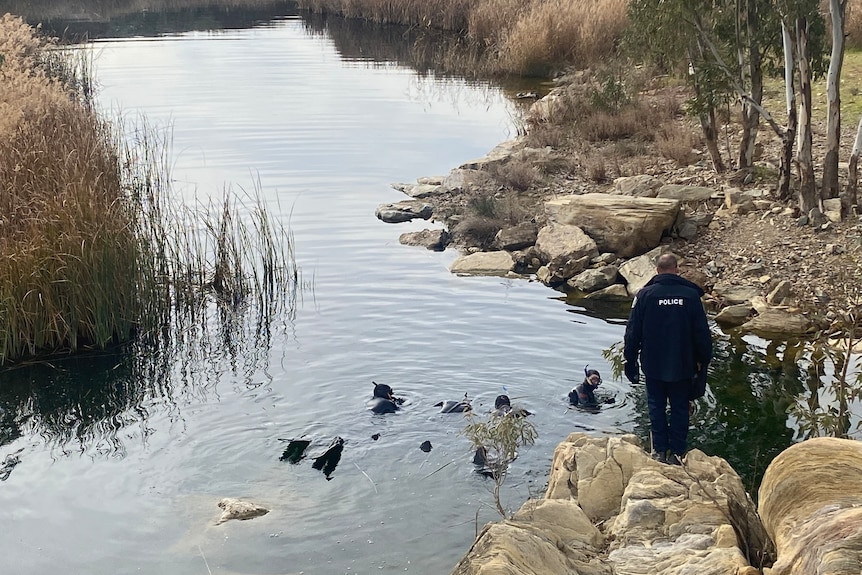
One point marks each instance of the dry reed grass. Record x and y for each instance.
(92, 251)
(528, 37)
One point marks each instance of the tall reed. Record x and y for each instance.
(93, 248)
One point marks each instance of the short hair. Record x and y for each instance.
(666, 263)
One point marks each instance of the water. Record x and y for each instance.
(121, 471)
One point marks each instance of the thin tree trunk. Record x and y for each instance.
(829, 188)
(785, 164)
(750, 112)
(804, 159)
(850, 198)
(707, 124)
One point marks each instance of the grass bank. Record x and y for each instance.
(93, 249)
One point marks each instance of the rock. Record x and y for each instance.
(624, 225)
(464, 180)
(594, 279)
(500, 154)
(641, 186)
(775, 323)
(832, 210)
(403, 211)
(732, 295)
(810, 501)
(419, 190)
(517, 237)
(777, 295)
(604, 259)
(614, 293)
(638, 271)
(566, 249)
(734, 315)
(686, 229)
(483, 263)
(431, 239)
(685, 193)
(239, 509)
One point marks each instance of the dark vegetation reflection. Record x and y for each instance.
(97, 404)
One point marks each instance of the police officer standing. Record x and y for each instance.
(667, 328)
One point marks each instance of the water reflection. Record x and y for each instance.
(95, 404)
(94, 19)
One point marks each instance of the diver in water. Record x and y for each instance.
(584, 394)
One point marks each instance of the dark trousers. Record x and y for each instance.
(672, 435)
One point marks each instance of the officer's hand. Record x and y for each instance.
(631, 370)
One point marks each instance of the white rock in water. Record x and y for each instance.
(238, 509)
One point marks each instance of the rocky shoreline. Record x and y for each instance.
(765, 269)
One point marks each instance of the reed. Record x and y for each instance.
(93, 249)
(527, 37)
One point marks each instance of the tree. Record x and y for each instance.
(837, 12)
(497, 441)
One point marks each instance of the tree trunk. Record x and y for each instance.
(804, 159)
(850, 198)
(786, 160)
(750, 113)
(829, 188)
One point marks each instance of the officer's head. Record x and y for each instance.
(667, 264)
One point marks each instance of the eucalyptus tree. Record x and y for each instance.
(666, 33)
(837, 13)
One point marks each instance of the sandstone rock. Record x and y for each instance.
(685, 193)
(594, 279)
(614, 293)
(733, 295)
(777, 323)
(641, 186)
(464, 180)
(624, 225)
(638, 271)
(239, 509)
(431, 239)
(517, 237)
(430, 180)
(777, 295)
(734, 315)
(419, 190)
(810, 501)
(483, 263)
(566, 249)
(403, 211)
(500, 154)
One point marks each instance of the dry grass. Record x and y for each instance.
(528, 37)
(92, 251)
(677, 143)
(554, 34)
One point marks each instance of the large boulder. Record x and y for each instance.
(565, 249)
(810, 501)
(624, 225)
(594, 279)
(641, 186)
(648, 517)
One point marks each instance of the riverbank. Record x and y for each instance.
(745, 238)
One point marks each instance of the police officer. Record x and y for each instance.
(668, 331)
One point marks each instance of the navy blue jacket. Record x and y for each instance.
(667, 327)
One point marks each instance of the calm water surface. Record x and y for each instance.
(120, 475)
